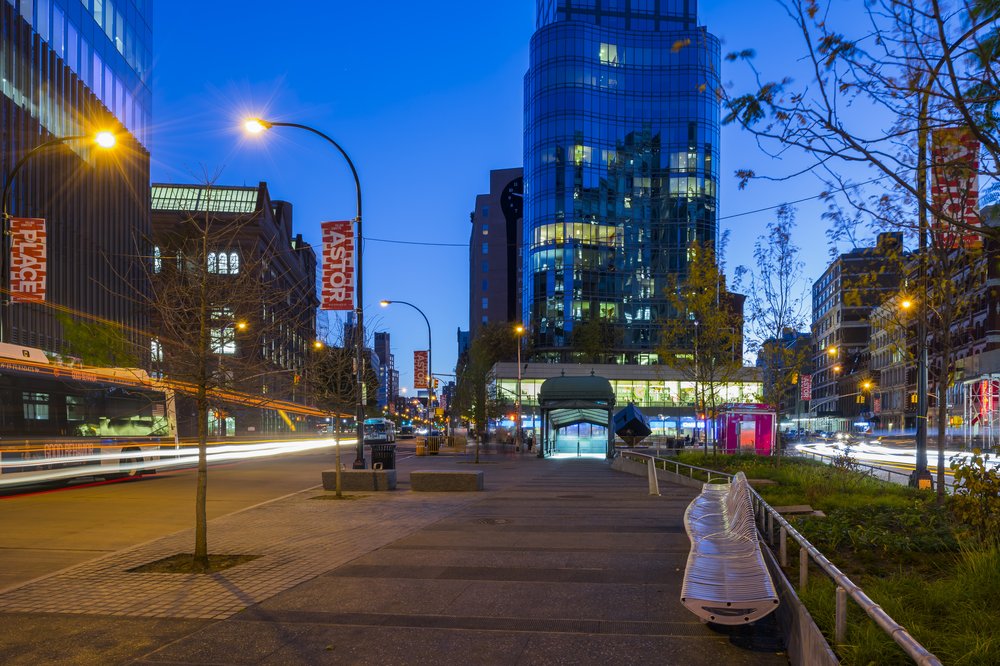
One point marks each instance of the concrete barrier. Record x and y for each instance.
(440, 481)
(360, 479)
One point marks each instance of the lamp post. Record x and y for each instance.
(430, 372)
(102, 139)
(258, 125)
(519, 330)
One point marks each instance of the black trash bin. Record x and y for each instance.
(385, 454)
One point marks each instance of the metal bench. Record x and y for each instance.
(726, 580)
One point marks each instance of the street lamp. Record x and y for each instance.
(102, 139)
(430, 372)
(257, 126)
(519, 330)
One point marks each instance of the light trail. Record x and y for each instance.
(19, 472)
(889, 455)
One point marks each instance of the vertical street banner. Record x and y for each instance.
(420, 369)
(337, 284)
(955, 187)
(27, 260)
(877, 405)
(805, 387)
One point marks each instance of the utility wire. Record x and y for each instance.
(724, 217)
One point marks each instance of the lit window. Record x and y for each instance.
(155, 351)
(157, 260)
(486, 248)
(223, 263)
(234, 263)
(486, 230)
(213, 265)
(486, 303)
(223, 340)
(609, 54)
(36, 406)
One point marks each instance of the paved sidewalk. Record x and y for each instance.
(557, 562)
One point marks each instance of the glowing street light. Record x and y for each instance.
(103, 139)
(257, 126)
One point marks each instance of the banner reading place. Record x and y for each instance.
(337, 285)
(28, 267)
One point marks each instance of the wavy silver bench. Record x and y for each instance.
(726, 580)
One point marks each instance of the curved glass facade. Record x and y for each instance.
(620, 168)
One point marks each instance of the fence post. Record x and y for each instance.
(840, 619)
(654, 487)
(783, 547)
(803, 568)
(770, 528)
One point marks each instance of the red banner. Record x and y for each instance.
(27, 260)
(955, 186)
(805, 387)
(420, 369)
(877, 405)
(337, 285)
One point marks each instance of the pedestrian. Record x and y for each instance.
(531, 441)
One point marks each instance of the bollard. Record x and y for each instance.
(840, 618)
(654, 486)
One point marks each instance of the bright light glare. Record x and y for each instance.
(105, 140)
(384, 303)
(153, 458)
(255, 125)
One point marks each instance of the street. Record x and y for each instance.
(50, 529)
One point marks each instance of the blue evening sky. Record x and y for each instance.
(426, 98)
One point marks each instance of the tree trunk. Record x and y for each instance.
(336, 444)
(201, 495)
(942, 399)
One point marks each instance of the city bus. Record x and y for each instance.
(379, 431)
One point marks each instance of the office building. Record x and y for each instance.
(843, 300)
(69, 68)
(388, 376)
(261, 340)
(621, 160)
(494, 251)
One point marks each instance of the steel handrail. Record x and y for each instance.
(896, 631)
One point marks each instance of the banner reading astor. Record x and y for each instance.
(27, 260)
(338, 266)
(955, 187)
(420, 369)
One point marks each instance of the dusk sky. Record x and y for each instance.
(426, 98)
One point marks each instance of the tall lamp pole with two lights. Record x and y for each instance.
(258, 125)
(102, 139)
(430, 372)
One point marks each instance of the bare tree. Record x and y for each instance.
(494, 342)
(333, 385)
(776, 306)
(217, 314)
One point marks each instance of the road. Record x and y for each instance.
(48, 530)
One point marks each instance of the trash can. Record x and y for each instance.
(433, 445)
(385, 454)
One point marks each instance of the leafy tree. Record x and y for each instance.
(97, 342)
(704, 340)
(495, 342)
(593, 338)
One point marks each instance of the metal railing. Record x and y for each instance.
(766, 518)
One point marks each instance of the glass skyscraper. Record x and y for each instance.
(70, 68)
(621, 149)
